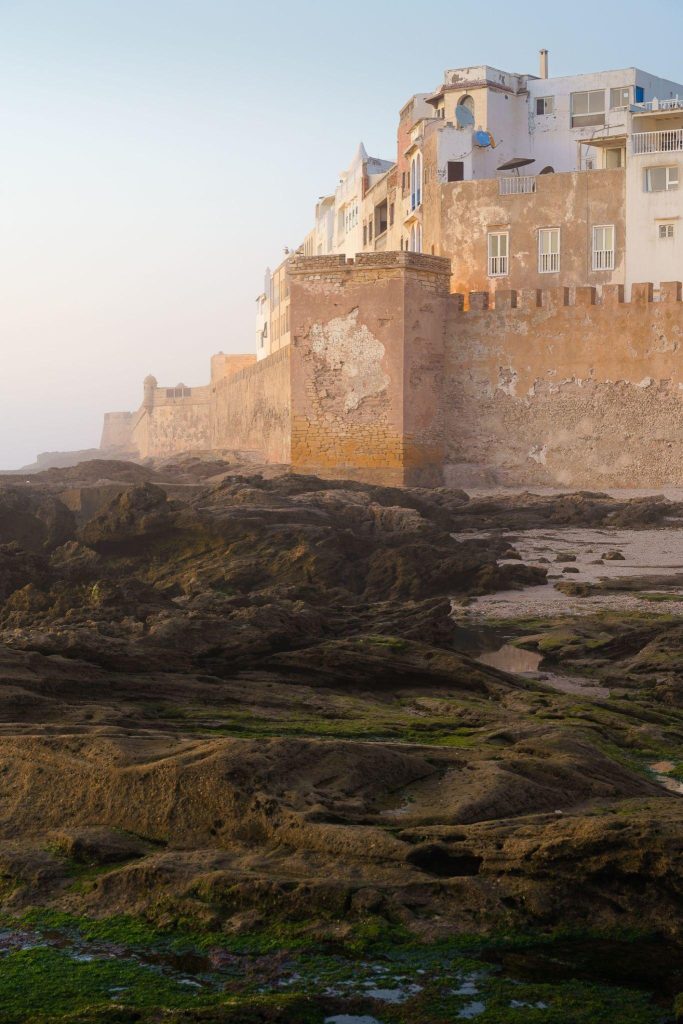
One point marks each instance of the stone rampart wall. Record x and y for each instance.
(367, 350)
(251, 409)
(576, 389)
(391, 378)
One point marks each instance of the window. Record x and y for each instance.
(614, 158)
(661, 179)
(416, 238)
(391, 215)
(498, 253)
(365, 233)
(666, 230)
(620, 98)
(456, 170)
(603, 247)
(545, 105)
(548, 250)
(381, 222)
(370, 230)
(588, 108)
(416, 181)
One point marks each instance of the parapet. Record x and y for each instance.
(610, 295)
(399, 260)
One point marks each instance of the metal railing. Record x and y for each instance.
(548, 262)
(668, 141)
(603, 259)
(498, 266)
(671, 104)
(517, 185)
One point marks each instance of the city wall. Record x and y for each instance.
(250, 410)
(391, 378)
(571, 389)
(367, 366)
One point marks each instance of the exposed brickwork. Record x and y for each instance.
(367, 362)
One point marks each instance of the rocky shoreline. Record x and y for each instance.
(237, 708)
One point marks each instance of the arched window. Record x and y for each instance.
(468, 103)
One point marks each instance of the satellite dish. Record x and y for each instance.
(481, 139)
(516, 163)
(547, 170)
(464, 116)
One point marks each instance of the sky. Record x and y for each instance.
(157, 155)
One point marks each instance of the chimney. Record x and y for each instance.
(543, 54)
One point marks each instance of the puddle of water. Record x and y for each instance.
(646, 553)
(472, 1010)
(468, 987)
(660, 769)
(345, 1018)
(392, 995)
(518, 661)
(513, 659)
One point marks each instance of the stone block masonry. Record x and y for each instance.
(367, 365)
(251, 409)
(390, 378)
(565, 388)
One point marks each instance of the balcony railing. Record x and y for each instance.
(654, 105)
(603, 259)
(658, 142)
(548, 262)
(517, 185)
(498, 266)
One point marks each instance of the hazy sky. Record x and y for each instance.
(156, 155)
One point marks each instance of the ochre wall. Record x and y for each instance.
(250, 410)
(391, 378)
(173, 425)
(459, 216)
(223, 365)
(579, 395)
(117, 432)
(363, 335)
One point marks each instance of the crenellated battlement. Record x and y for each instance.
(608, 296)
(390, 377)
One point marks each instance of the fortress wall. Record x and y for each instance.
(389, 379)
(172, 425)
(251, 408)
(565, 389)
(367, 335)
(117, 432)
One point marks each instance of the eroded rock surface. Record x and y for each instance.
(242, 694)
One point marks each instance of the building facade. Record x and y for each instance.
(521, 181)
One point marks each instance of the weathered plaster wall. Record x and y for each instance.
(223, 365)
(173, 425)
(461, 214)
(250, 410)
(117, 432)
(367, 352)
(579, 395)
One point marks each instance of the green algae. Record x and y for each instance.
(308, 978)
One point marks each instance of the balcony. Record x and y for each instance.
(652, 106)
(517, 185)
(669, 141)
